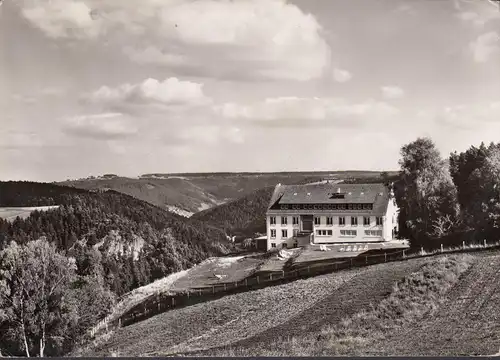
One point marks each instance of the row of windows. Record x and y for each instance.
(284, 233)
(284, 246)
(329, 220)
(326, 206)
(284, 220)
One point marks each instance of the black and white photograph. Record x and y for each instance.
(249, 178)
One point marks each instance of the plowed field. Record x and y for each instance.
(252, 318)
(467, 324)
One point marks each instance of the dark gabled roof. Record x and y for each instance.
(329, 193)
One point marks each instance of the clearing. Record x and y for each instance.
(11, 213)
(312, 254)
(248, 319)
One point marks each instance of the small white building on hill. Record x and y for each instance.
(330, 213)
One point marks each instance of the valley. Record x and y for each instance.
(190, 193)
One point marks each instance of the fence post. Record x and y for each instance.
(441, 247)
(173, 301)
(484, 242)
(308, 269)
(385, 257)
(188, 293)
(258, 282)
(271, 277)
(404, 254)
(463, 245)
(422, 251)
(224, 286)
(246, 282)
(351, 261)
(158, 306)
(366, 259)
(283, 274)
(213, 289)
(199, 292)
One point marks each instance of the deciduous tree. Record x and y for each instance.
(425, 194)
(34, 282)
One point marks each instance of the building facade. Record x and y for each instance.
(330, 213)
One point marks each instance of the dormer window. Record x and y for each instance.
(337, 196)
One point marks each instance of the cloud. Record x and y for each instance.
(392, 92)
(211, 134)
(170, 92)
(106, 126)
(307, 112)
(405, 8)
(478, 13)
(468, 117)
(52, 91)
(485, 46)
(24, 98)
(62, 19)
(341, 76)
(20, 139)
(269, 39)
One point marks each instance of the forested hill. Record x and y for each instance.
(120, 226)
(243, 217)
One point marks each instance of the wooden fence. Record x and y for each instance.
(159, 302)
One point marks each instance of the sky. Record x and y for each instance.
(89, 87)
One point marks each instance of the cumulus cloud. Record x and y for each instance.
(305, 112)
(392, 92)
(170, 92)
(62, 19)
(266, 38)
(485, 46)
(106, 126)
(341, 76)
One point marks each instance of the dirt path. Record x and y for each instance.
(467, 324)
(370, 285)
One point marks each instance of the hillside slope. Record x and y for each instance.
(257, 317)
(139, 242)
(460, 320)
(465, 325)
(190, 193)
(242, 217)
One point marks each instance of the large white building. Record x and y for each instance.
(330, 213)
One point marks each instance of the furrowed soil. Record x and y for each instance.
(256, 318)
(467, 324)
(369, 286)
